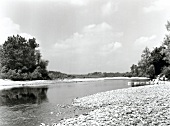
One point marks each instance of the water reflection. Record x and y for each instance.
(23, 95)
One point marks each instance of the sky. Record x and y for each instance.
(83, 36)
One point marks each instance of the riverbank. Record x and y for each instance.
(7, 84)
(147, 105)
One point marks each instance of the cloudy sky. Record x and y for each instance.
(82, 36)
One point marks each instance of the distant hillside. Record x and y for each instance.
(103, 74)
(59, 75)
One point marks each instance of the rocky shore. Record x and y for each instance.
(137, 106)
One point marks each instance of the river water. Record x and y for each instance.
(54, 105)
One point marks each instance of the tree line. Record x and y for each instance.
(155, 62)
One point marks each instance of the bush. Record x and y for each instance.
(166, 72)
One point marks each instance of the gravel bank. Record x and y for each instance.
(138, 106)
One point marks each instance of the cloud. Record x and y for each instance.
(100, 28)
(94, 39)
(110, 47)
(72, 2)
(9, 28)
(150, 42)
(109, 8)
(158, 5)
(88, 50)
(76, 2)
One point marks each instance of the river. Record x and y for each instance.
(54, 105)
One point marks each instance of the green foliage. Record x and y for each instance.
(166, 72)
(151, 63)
(37, 74)
(20, 60)
(151, 71)
(58, 75)
(155, 62)
(158, 60)
(145, 62)
(134, 70)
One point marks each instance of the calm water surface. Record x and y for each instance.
(51, 108)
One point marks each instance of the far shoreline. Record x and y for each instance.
(8, 84)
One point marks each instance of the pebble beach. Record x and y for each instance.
(136, 106)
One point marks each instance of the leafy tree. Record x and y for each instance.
(20, 59)
(166, 44)
(0, 60)
(156, 62)
(151, 63)
(166, 72)
(157, 59)
(144, 63)
(151, 72)
(134, 70)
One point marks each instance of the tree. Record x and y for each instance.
(0, 60)
(144, 63)
(158, 60)
(151, 63)
(166, 72)
(20, 58)
(151, 71)
(134, 70)
(166, 44)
